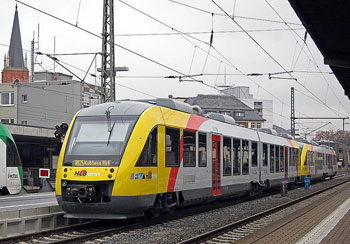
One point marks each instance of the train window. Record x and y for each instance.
(245, 157)
(290, 154)
(189, 149)
(12, 158)
(306, 159)
(172, 147)
(265, 158)
(277, 159)
(236, 157)
(227, 157)
(254, 154)
(272, 158)
(148, 156)
(297, 156)
(281, 159)
(202, 150)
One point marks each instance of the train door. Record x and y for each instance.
(2, 163)
(286, 157)
(216, 163)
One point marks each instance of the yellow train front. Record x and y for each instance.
(111, 163)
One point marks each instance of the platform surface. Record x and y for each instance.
(26, 201)
(324, 221)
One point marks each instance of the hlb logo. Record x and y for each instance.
(85, 173)
(80, 173)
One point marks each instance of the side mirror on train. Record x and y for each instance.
(61, 130)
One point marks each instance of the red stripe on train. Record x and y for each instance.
(193, 123)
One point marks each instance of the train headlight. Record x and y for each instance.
(65, 176)
(110, 176)
(65, 169)
(111, 170)
(64, 183)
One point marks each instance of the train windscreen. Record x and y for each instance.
(98, 139)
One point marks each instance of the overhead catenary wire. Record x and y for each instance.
(122, 47)
(235, 16)
(268, 54)
(304, 41)
(202, 32)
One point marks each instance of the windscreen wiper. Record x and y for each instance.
(109, 128)
(110, 133)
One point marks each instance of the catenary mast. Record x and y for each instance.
(108, 56)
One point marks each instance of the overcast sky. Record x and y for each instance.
(233, 52)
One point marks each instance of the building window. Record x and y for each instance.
(209, 112)
(258, 125)
(225, 113)
(7, 121)
(239, 114)
(227, 156)
(24, 122)
(24, 98)
(202, 150)
(252, 125)
(7, 98)
(148, 156)
(172, 147)
(189, 149)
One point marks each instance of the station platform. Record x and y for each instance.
(326, 220)
(25, 214)
(27, 201)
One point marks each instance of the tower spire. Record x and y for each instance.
(14, 67)
(16, 52)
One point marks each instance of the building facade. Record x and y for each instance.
(262, 106)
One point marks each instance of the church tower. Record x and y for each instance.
(15, 67)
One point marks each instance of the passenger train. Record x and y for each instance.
(11, 173)
(129, 158)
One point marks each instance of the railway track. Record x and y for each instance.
(242, 228)
(101, 229)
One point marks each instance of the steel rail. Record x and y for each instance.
(211, 234)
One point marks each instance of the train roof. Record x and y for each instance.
(5, 133)
(119, 108)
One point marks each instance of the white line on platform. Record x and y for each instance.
(320, 231)
(25, 205)
(29, 195)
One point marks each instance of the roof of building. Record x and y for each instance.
(222, 103)
(328, 23)
(16, 52)
(217, 102)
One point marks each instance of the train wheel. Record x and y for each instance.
(168, 203)
(155, 211)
